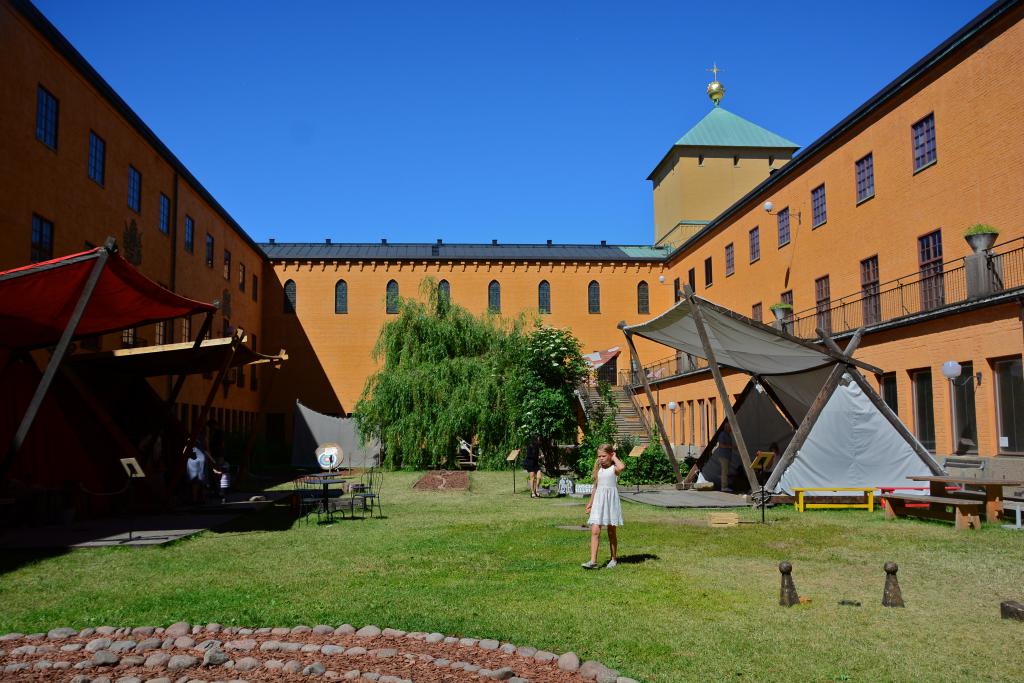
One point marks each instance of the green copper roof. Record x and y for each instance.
(721, 128)
(645, 252)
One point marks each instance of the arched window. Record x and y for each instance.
(444, 290)
(341, 297)
(494, 297)
(289, 296)
(643, 298)
(391, 297)
(544, 297)
(593, 297)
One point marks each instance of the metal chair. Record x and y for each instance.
(368, 489)
(310, 498)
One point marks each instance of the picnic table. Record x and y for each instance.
(993, 490)
(326, 480)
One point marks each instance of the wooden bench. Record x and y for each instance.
(868, 504)
(966, 513)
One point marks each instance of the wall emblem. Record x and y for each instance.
(131, 245)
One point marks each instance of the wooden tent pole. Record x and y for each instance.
(58, 354)
(709, 354)
(200, 423)
(666, 442)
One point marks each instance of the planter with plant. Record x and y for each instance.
(781, 310)
(981, 237)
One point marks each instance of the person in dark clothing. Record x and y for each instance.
(532, 465)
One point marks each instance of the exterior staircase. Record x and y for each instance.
(628, 422)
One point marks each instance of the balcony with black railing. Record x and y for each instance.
(931, 289)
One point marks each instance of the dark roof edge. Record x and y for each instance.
(68, 51)
(617, 257)
(991, 14)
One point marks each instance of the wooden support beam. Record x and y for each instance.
(58, 354)
(200, 423)
(709, 354)
(666, 442)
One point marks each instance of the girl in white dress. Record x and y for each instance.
(604, 507)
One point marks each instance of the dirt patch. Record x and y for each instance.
(443, 480)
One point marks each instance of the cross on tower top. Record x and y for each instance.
(714, 69)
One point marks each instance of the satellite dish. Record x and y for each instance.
(330, 456)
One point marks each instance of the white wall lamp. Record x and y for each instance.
(672, 407)
(769, 208)
(951, 370)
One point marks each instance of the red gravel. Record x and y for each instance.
(443, 480)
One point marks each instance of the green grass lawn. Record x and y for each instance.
(487, 563)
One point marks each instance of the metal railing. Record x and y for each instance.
(909, 295)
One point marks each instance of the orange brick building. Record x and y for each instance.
(864, 227)
(78, 165)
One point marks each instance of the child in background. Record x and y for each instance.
(223, 471)
(604, 506)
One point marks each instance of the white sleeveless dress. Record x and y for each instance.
(606, 509)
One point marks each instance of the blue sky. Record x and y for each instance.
(474, 121)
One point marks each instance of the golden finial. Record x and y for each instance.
(716, 91)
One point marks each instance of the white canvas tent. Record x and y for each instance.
(840, 433)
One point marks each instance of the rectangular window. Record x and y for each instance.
(755, 244)
(730, 260)
(134, 189)
(129, 337)
(165, 214)
(818, 213)
(209, 250)
(241, 376)
(97, 158)
(227, 265)
(924, 409)
(42, 239)
(241, 277)
(871, 302)
(922, 134)
(46, 117)
(693, 422)
(865, 172)
(888, 391)
(783, 221)
(186, 329)
(255, 285)
(1010, 405)
(756, 312)
(713, 425)
(190, 234)
(702, 407)
(708, 274)
(787, 320)
(823, 304)
(677, 290)
(965, 421)
(691, 278)
(929, 254)
(161, 333)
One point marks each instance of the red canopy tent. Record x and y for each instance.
(81, 295)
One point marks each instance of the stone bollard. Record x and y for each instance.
(891, 596)
(787, 594)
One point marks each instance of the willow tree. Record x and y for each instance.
(441, 378)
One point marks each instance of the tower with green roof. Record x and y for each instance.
(715, 163)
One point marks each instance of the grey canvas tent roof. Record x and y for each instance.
(841, 433)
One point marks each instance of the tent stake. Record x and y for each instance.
(58, 354)
(709, 354)
(654, 409)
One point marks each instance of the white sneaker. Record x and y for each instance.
(611, 564)
(589, 565)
